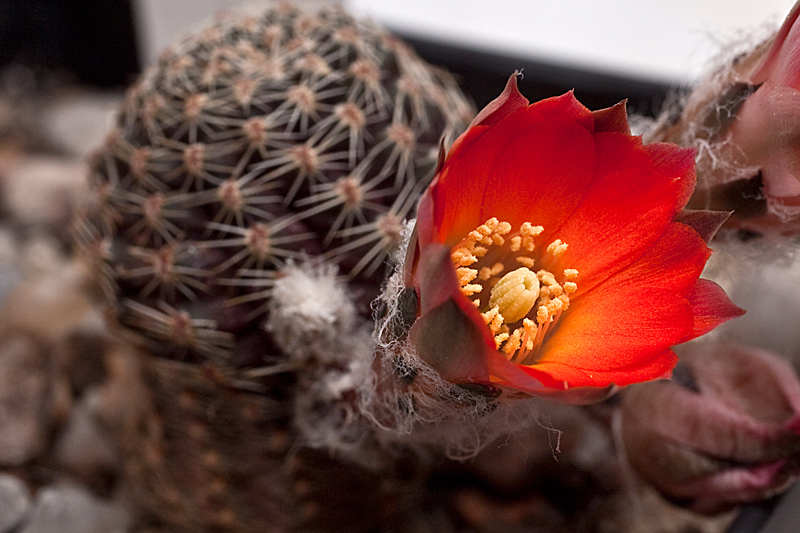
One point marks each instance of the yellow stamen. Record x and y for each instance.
(513, 342)
(469, 290)
(556, 248)
(465, 275)
(529, 333)
(528, 233)
(463, 257)
(493, 319)
(547, 278)
(537, 299)
(500, 338)
(486, 273)
(526, 261)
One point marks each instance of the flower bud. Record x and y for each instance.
(724, 432)
(745, 122)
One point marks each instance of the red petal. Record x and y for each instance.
(507, 374)
(516, 118)
(540, 173)
(509, 101)
(658, 366)
(458, 191)
(626, 209)
(612, 119)
(613, 338)
(541, 177)
(677, 162)
(621, 324)
(711, 307)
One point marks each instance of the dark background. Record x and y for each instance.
(90, 41)
(93, 42)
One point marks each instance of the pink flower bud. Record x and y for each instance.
(767, 127)
(724, 432)
(745, 122)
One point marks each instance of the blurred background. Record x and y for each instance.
(605, 50)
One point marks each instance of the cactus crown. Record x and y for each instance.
(262, 139)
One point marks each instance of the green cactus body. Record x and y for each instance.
(262, 139)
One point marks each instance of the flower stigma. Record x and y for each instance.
(519, 305)
(515, 294)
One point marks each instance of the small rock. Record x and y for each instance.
(85, 450)
(52, 304)
(24, 398)
(77, 122)
(40, 189)
(70, 509)
(10, 274)
(15, 501)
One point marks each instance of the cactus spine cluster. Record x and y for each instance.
(261, 140)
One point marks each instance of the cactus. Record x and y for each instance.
(256, 160)
(262, 140)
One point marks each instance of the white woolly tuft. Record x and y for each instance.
(313, 319)
(692, 118)
(310, 311)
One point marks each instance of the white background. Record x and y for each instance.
(660, 40)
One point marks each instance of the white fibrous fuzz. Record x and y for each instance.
(406, 400)
(324, 414)
(310, 311)
(699, 118)
(762, 277)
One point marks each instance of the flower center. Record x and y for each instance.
(519, 305)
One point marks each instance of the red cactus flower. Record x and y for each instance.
(549, 257)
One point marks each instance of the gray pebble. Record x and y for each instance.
(71, 509)
(15, 501)
(82, 448)
(24, 387)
